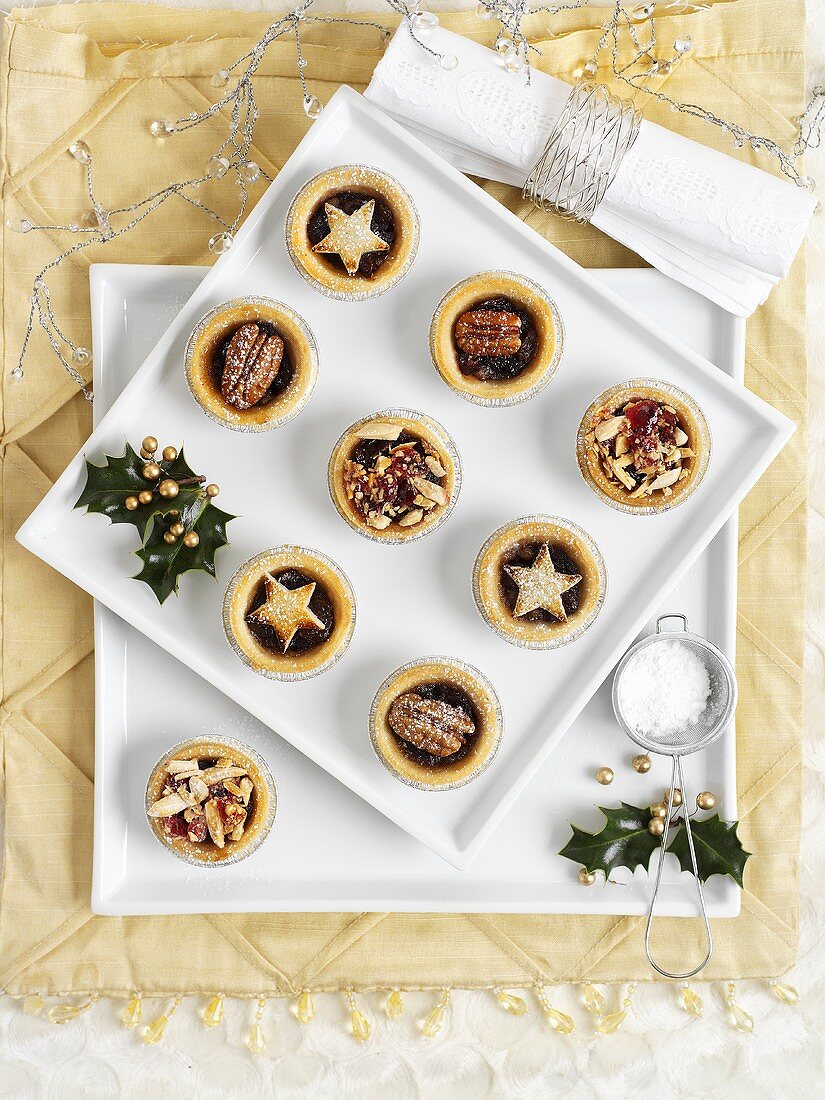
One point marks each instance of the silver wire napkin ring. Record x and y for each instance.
(584, 151)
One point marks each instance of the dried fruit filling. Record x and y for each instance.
(651, 425)
(434, 725)
(244, 369)
(305, 638)
(495, 339)
(525, 554)
(641, 446)
(382, 224)
(398, 480)
(207, 800)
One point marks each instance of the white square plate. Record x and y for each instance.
(414, 599)
(330, 850)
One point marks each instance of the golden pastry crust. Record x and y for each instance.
(692, 421)
(215, 328)
(489, 595)
(489, 723)
(524, 293)
(316, 268)
(263, 802)
(242, 589)
(423, 428)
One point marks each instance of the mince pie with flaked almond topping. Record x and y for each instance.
(352, 232)
(496, 338)
(211, 801)
(251, 364)
(643, 446)
(394, 475)
(289, 613)
(436, 723)
(539, 582)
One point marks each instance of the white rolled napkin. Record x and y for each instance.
(726, 229)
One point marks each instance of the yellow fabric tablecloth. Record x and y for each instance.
(101, 72)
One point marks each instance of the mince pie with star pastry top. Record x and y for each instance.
(352, 232)
(539, 582)
(289, 613)
(496, 338)
(251, 364)
(394, 475)
(436, 723)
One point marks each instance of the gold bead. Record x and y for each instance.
(642, 764)
(150, 444)
(706, 800)
(677, 797)
(658, 809)
(144, 454)
(604, 776)
(170, 454)
(586, 878)
(131, 503)
(656, 826)
(191, 540)
(212, 490)
(151, 471)
(146, 496)
(177, 530)
(169, 488)
(173, 512)
(169, 538)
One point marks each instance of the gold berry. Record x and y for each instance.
(170, 454)
(151, 471)
(604, 776)
(146, 496)
(145, 455)
(150, 444)
(177, 529)
(677, 797)
(169, 537)
(658, 809)
(586, 878)
(642, 764)
(212, 490)
(191, 540)
(706, 800)
(173, 512)
(169, 488)
(656, 826)
(131, 503)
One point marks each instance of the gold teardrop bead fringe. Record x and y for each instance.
(690, 1001)
(609, 1023)
(559, 1021)
(514, 1005)
(213, 1013)
(65, 1013)
(360, 1026)
(256, 1039)
(132, 1013)
(33, 1005)
(783, 992)
(154, 1032)
(740, 1019)
(305, 1007)
(394, 1007)
(433, 1021)
(593, 999)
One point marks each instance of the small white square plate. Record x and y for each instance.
(415, 599)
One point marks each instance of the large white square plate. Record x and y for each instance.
(415, 599)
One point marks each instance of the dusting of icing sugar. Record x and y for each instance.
(663, 689)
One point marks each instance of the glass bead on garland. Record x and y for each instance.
(593, 998)
(610, 1023)
(158, 128)
(312, 106)
(81, 152)
(359, 1024)
(220, 79)
(19, 225)
(133, 1012)
(515, 1006)
(154, 1032)
(217, 167)
(305, 1008)
(221, 243)
(432, 1023)
(395, 1005)
(213, 1013)
(424, 21)
(559, 1021)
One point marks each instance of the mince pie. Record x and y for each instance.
(352, 232)
(496, 338)
(643, 446)
(251, 364)
(211, 801)
(394, 475)
(539, 582)
(289, 613)
(436, 723)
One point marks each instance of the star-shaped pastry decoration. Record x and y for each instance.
(539, 585)
(286, 610)
(350, 235)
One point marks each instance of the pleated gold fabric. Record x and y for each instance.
(101, 72)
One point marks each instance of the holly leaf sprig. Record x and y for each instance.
(171, 506)
(625, 841)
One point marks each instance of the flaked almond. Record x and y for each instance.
(219, 772)
(609, 429)
(199, 789)
(214, 822)
(246, 790)
(431, 490)
(379, 429)
(411, 518)
(168, 805)
(378, 521)
(680, 438)
(178, 767)
(435, 466)
(622, 445)
(669, 477)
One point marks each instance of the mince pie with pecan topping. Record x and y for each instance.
(289, 613)
(496, 338)
(211, 801)
(352, 232)
(251, 364)
(539, 582)
(643, 446)
(436, 723)
(394, 475)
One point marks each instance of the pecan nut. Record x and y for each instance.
(431, 725)
(494, 332)
(252, 361)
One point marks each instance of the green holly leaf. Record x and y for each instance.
(164, 563)
(623, 842)
(719, 850)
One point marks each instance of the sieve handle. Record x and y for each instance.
(677, 773)
(671, 615)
